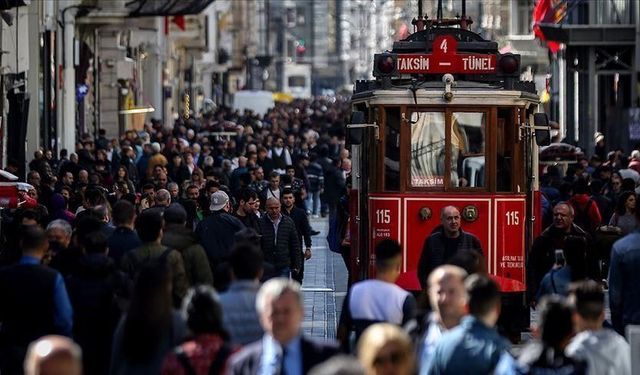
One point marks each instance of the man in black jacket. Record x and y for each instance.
(98, 292)
(284, 349)
(246, 211)
(443, 244)
(280, 242)
(216, 232)
(542, 254)
(34, 302)
(124, 238)
(299, 217)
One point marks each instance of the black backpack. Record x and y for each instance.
(216, 365)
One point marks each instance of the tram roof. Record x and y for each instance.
(462, 96)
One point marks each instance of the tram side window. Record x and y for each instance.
(467, 149)
(427, 149)
(392, 150)
(505, 142)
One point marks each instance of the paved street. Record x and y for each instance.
(324, 285)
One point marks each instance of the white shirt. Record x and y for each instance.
(377, 300)
(606, 352)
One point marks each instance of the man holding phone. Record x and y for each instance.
(550, 249)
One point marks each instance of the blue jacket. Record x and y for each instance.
(239, 312)
(121, 241)
(624, 278)
(470, 348)
(556, 281)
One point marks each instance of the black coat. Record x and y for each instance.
(26, 311)
(97, 290)
(121, 241)
(247, 360)
(434, 252)
(300, 219)
(334, 184)
(216, 235)
(286, 251)
(542, 255)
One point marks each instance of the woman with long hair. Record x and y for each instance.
(209, 348)
(625, 215)
(122, 176)
(151, 328)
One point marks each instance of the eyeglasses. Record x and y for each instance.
(394, 358)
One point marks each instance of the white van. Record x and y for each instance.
(297, 80)
(257, 101)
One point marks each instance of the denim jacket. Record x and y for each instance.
(470, 348)
(624, 278)
(239, 312)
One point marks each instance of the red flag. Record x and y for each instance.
(548, 11)
(180, 22)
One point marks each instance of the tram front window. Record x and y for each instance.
(427, 149)
(467, 149)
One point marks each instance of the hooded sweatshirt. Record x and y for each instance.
(605, 351)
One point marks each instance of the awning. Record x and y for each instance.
(144, 8)
(282, 97)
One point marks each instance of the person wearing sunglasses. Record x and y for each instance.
(385, 348)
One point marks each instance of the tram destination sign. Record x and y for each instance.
(458, 63)
(443, 58)
(446, 59)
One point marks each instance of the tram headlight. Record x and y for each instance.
(509, 65)
(385, 65)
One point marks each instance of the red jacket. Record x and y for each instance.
(580, 203)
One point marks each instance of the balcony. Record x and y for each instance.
(595, 23)
(145, 8)
(590, 35)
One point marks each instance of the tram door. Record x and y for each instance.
(363, 138)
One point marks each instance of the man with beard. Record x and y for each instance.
(441, 246)
(246, 211)
(259, 183)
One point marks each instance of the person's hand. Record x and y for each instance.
(307, 254)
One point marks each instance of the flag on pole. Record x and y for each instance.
(548, 11)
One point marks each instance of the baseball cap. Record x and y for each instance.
(598, 137)
(218, 200)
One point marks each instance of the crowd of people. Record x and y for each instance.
(182, 251)
(113, 237)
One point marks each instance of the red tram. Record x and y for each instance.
(445, 121)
